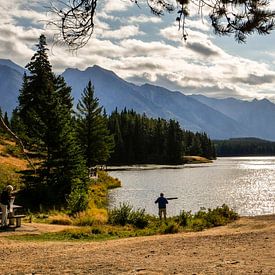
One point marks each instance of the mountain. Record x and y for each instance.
(257, 116)
(154, 101)
(11, 76)
(219, 118)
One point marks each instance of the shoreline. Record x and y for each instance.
(188, 162)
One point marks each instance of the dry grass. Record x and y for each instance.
(196, 159)
(8, 160)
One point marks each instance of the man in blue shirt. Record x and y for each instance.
(162, 201)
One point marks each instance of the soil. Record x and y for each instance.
(246, 246)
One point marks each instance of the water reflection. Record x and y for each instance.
(245, 184)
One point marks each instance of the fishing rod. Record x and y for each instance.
(172, 198)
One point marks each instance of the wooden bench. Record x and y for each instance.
(17, 219)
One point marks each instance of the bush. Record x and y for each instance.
(78, 198)
(60, 219)
(170, 228)
(198, 224)
(125, 214)
(120, 215)
(138, 218)
(184, 218)
(213, 217)
(91, 217)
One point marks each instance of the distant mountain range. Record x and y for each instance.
(219, 118)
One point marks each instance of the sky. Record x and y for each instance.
(142, 48)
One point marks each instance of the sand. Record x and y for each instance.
(246, 246)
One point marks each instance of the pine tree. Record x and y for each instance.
(175, 145)
(45, 110)
(94, 136)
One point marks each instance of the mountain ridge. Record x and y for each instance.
(219, 118)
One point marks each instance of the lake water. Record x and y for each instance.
(246, 184)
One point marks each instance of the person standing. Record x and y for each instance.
(5, 202)
(162, 201)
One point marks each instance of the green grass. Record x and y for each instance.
(185, 222)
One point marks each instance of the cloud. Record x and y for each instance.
(121, 33)
(204, 50)
(143, 48)
(144, 19)
(253, 79)
(118, 5)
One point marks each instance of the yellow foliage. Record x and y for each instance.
(60, 218)
(91, 217)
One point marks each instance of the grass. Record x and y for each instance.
(185, 222)
(195, 159)
(11, 163)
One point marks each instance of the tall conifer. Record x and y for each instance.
(45, 108)
(94, 136)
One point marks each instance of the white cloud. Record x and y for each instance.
(198, 65)
(117, 5)
(144, 19)
(121, 33)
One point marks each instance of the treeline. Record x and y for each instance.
(139, 139)
(244, 147)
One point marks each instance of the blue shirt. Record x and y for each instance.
(162, 202)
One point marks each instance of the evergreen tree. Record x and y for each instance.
(175, 145)
(93, 133)
(139, 139)
(45, 110)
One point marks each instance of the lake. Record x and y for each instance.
(246, 184)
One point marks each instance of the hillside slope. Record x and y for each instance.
(10, 163)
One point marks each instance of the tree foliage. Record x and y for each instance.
(139, 139)
(244, 147)
(45, 116)
(92, 131)
(75, 18)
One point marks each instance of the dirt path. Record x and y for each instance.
(244, 247)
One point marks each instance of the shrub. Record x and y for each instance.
(138, 218)
(213, 217)
(170, 228)
(198, 224)
(91, 217)
(184, 218)
(78, 198)
(60, 219)
(120, 215)
(125, 214)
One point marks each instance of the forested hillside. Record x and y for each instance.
(244, 147)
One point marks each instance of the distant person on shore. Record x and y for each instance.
(6, 201)
(162, 201)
